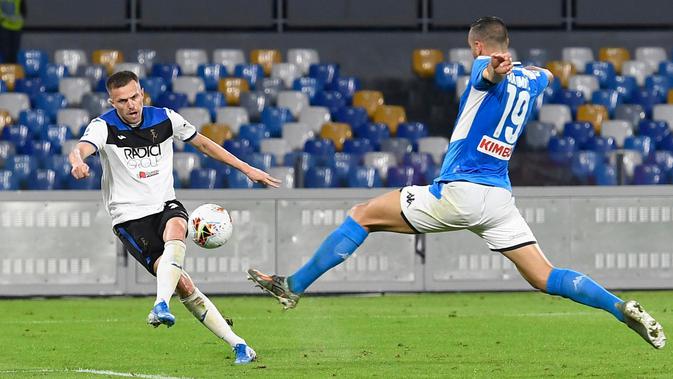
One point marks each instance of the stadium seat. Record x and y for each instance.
(580, 131)
(69, 145)
(314, 117)
(309, 86)
(30, 86)
(446, 75)
(32, 61)
(135, 68)
(5, 118)
(274, 118)
(43, 180)
(293, 100)
(606, 175)
(229, 58)
(303, 58)
(254, 103)
(603, 71)
(357, 146)
(250, 72)
(190, 59)
(647, 174)
(639, 70)
(537, 134)
(583, 165)
(8, 181)
(659, 84)
(56, 135)
(595, 114)
(463, 56)
(461, 86)
(73, 89)
(641, 144)
(95, 103)
(254, 133)
(237, 180)
(633, 113)
(51, 103)
(61, 167)
(346, 86)
(107, 58)
(412, 131)
(154, 86)
(92, 182)
(211, 75)
(217, 132)
(287, 72)
(353, 116)
(332, 100)
(263, 161)
(397, 146)
(627, 160)
(195, 115)
(369, 100)
(587, 84)
(424, 167)
(146, 57)
(189, 85)
(172, 100)
(73, 118)
(184, 163)
(647, 99)
(381, 161)
(278, 147)
(9, 73)
(423, 61)
(14, 103)
(320, 147)
(374, 132)
(608, 98)
(562, 149)
(364, 177)
(390, 115)
(617, 129)
(337, 132)
(265, 58)
(435, 146)
(18, 135)
(578, 56)
(562, 70)
(168, 72)
(205, 178)
(615, 55)
(232, 89)
(284, 174)
(401, 176)
(572, 98)
(656, 130)
(210, 101)
(320, 177)
(626, 86)
(325, 73)
(296, 134)
(233, 117)
(663, 159)
(537, 57)
(669, 97)
(34, 119)
(663, 112)
(555, 114)
(3, 87)
(21, 166)
(341, 165)
(652, 56)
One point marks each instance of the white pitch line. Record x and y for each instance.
(94, 372)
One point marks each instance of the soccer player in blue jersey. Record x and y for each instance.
(472, 192)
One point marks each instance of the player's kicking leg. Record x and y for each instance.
(382, 213)
(205, 311)
(536, 269)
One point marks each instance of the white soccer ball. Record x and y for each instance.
(210, 226)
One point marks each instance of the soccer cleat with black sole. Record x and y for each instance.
(275, 286)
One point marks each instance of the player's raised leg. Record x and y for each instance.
(538, 271)
(205, 311)
(382, 213)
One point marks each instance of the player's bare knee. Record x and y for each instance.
(359, 213)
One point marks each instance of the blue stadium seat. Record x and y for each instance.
(31, 87)
(342, 165)
(375, 132)
(61, 167)
(331, 100)
(39, 149)
(263, 161)
(3, 86)
(608, 98)
(210, 101)
(656, 130)
(353, 116)
(357, 146)
(274, 118)
(663, 159)
(412, 131)
(604, 71)
(21, 166)
(665, 68)
(238, 147)
(167, 72)
(94, 73)
(172, 100)
(642, 144)
(647, 174)
(51, 103)
(208, 162)
(205, 178)
(601, 145)
(400, 176)
(254, 133)
(364, 177)
(666, 143)
(301, 162)
(446, 75)
(552, 92)
(537, 57)
(583, 165)
(253, 73)
(346, 86)
(211, 74)
(320, 147)
(154, 87)
(626, 86)
(647, 99)
(51, 75)
(320, 177)
(8, 181)
(95, 165)
(32, 61)
(43, 180)
(91, 182)
(659, 84)
(56, 135)
(572, 99)
(237, 180)
(580, 131)
(19, 135)
(562, 149)
(606, 175)
(310, 86)
(34, 119)
(423, 164)
(325, 73)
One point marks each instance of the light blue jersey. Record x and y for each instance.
(490, 120)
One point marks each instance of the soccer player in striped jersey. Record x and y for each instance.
(472, 192)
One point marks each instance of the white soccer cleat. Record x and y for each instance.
(642, 323)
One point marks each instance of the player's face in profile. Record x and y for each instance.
(128, 101)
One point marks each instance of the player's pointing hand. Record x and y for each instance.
(80, 171)
(501, 63)
(259, 176)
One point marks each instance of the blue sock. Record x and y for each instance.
(338, 246)
(580, 288)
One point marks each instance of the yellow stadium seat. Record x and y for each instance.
(595, 114)
(391, 115)
(562, 71)
(232, 89)
(9, 73)
(107, 58)
(369, 100)
(217, 132)
(147, 100)
(266, 58)
(337, 132)
(670, 96)
(5, 118)
(616, 55)
(423, 62)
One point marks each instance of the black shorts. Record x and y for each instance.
(143, 238)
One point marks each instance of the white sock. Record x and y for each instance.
(169, 270)
(206, 312)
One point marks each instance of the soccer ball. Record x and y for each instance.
(210, 226)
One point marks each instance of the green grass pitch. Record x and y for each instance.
(489, 335)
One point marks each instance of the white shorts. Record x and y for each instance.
(489, 212)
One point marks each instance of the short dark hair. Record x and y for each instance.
(120, 79)
(490, 29)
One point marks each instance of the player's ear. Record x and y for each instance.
(109, 101)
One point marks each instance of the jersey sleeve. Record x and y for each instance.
(182, 129)
(541, 81)
(477, 77)
(95, 133)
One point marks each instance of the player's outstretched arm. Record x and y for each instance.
(501, 65)
(548, 73)
(215, 151)
(77, 156)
